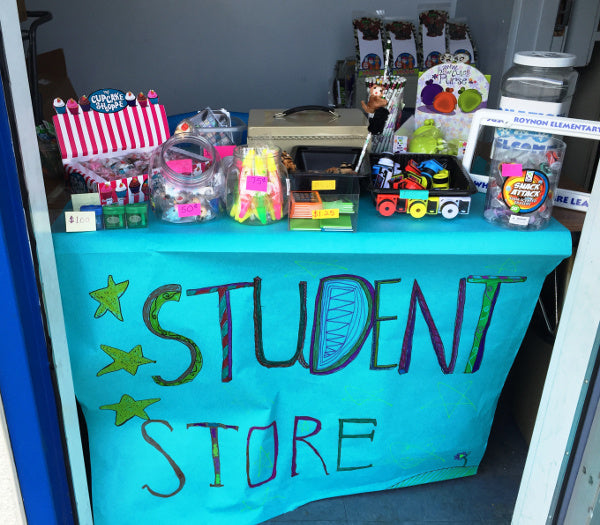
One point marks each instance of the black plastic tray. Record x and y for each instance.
(461, 184)
(312, 163)
(321, 158)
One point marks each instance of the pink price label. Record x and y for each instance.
(191, 209)
(512, 170)
(181, 166)
(256, 183)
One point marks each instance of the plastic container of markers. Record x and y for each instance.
(257, 186)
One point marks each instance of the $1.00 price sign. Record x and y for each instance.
(80, 221)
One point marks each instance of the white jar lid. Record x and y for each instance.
(544, 59)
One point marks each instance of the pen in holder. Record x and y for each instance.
(257, 185)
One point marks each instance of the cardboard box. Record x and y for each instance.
(109, 127)
(339, 127)
(22, 10)
(53, 81)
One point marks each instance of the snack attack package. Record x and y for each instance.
(106, 140)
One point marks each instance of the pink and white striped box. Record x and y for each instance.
(106, 124)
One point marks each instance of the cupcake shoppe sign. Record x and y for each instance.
(108, 100)
(105, 140)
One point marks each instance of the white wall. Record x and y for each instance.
(232, 53)
(11, 504)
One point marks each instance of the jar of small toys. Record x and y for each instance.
(187, 181)
(257, 185)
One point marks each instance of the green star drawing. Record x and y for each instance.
(109, 298)
(128, 408)
(128, 361)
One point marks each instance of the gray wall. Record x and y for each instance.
(490, 24)
(230, 53)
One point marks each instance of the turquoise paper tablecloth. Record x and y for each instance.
(230, 373)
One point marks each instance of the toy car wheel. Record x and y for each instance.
(417, 209)
(450, 210)
(386, 208)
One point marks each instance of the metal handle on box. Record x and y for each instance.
(298, 109)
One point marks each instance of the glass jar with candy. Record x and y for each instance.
(187, 181)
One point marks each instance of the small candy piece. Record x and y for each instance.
(489, 214)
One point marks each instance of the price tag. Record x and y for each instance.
(329, 213)
(183, 166)
(512, 170)
(414, 194)
(191, 209)
(80, 221)
(256, 183)
(400, 144)
(323, 185)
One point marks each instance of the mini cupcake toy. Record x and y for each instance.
(59, 106)
(130, 98)
(72, 106)
(84, 103)
(142, 100)
(152, 97)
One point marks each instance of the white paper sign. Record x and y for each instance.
(83, 199)
(80, 221)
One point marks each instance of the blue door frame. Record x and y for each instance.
(26, 382)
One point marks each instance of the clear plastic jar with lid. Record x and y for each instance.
(538, 85)
(539, 82)
(187, 182)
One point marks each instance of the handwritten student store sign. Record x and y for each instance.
(233, 387)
